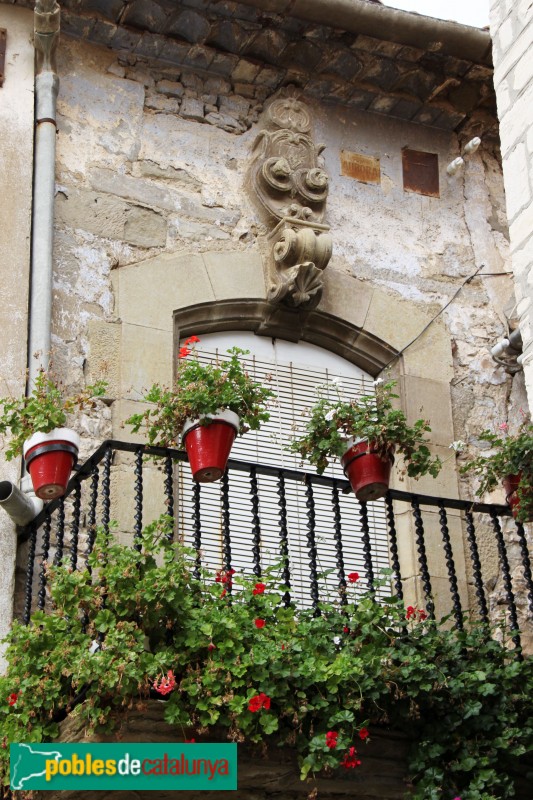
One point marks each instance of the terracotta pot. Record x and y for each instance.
(510, 484)
(208, 446)
(50, 458)
(368, 473)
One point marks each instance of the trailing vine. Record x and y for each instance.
(241, 662)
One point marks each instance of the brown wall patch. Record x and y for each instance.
(362, 168)
(420, 172)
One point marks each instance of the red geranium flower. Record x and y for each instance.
(353, 577)
(211, 646)
(350, 760)
(224, 576)
(189, 741)
(259, 623)
(191, 340)
(12, 698)
(259, 588)
(412, 613)
(224, 592)
(346, 629)
(364, 733)
(259, 701)
(165, 684)
(184, 352)
(331, 739)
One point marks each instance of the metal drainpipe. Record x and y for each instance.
(46, 23)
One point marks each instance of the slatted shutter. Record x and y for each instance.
(295, 384)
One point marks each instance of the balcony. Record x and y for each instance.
(247, 520)
(408, 545)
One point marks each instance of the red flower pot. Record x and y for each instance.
(510, 484)
(49, 459)
(208, 446)
(367, 471)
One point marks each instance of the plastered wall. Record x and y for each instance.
(16, 166)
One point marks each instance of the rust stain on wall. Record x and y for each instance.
(3, 36)
(420, 172)
(362, 168)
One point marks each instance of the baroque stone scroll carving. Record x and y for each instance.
(291, 185)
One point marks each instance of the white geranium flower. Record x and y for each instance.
(378, 381)
(329, 416)
(336, 640)
(458, 446)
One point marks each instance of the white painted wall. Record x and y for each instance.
(511, 25)
(16, 165)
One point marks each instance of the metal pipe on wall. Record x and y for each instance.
(47, 25)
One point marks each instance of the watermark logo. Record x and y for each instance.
(121, 766)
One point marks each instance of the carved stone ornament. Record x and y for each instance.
(291, 185)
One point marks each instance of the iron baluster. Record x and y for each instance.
(450, 566)
(75, 525)
(138, 525)
(476, 567)
(526, 563)
(393, 539)
(284, 538)
(226, 540)
(363, 513)
(169, 486)
(311, 545)
(337, 535)
(506, 576)
(91, 517)
(41, 597)
(197, 529)
(256, 524)
(106, 492)
(60, 531)
(422, 558)
(29, 575)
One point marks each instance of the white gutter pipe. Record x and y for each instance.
(21, 507)
(47, 23)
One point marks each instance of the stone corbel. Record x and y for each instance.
(300, 253)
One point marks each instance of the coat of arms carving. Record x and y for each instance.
(291, 185)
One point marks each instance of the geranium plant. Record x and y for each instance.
(44, 409)
(509, 456)
(198, 392)
(333, 420)
(319, 684)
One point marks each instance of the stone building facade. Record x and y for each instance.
(162, 227)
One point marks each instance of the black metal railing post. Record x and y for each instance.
(335, 537)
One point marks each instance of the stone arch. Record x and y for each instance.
(179, 294)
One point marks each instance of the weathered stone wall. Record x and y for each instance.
(511, 23)
(152, 216)
(261, 775)
(16, 167)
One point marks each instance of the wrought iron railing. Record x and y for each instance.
(64, 532)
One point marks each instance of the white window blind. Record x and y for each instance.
(295, 385)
